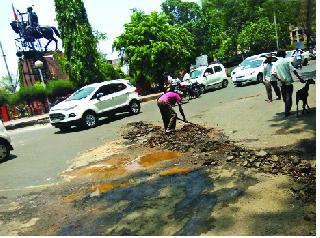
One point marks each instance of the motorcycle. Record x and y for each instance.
(190, 89)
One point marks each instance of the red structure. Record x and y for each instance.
(4, 113)
(51, 69)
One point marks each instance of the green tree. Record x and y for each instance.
(257, 36)
(180, 12)
(152, 46)
(9, 84)
(286, 12)
(81, 59)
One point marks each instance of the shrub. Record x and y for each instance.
(35, 92)
(4, 96)
(59, 88)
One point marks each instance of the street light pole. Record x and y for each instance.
(275, 26)
(5, 61)
(39, 65)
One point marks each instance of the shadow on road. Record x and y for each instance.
(295, 125)
(11, 157)
(180, 204)
(103, 121)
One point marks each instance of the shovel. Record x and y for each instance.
(185, 121)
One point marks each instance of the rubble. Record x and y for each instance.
(206, 143)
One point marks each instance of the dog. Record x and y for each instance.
(302, 94)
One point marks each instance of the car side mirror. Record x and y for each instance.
(206, 74)
(99, 95)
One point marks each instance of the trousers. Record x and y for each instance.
(274, 85)
(169, 116)
(286, 91)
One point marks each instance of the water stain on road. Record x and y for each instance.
(158, 156)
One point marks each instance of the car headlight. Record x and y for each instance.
(69, 108)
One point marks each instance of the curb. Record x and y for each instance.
(45, 119)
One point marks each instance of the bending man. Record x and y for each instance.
(169, 116)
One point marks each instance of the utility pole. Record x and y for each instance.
(5, 61)
(275, 26)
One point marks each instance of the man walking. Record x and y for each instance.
(269, 80)
(169, 116)
(281, 70)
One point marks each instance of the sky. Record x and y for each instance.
(105, 16)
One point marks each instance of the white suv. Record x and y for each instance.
(84, 107)
(5, 143)
(211, 76)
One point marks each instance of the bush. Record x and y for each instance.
(4, 96)
(35, 92)
(59, 88)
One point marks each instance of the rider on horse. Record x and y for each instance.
(29, 31)
(33, 23)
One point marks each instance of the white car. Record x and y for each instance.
(85, 106)
(209, 77)
(5, 143)
(250, 70)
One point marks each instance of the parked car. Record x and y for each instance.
(85, 106)
(250, 70)
(5, 143)
(209, 77)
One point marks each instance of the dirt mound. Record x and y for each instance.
(199, 140)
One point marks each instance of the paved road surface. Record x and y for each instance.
(42, 152)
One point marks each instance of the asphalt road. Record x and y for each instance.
(41, 153)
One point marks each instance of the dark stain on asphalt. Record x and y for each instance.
(180, 201)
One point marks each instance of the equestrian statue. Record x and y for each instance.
(30, 30)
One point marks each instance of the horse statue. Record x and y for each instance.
(30, 31)
(30, 34)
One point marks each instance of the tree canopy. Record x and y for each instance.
(257, 35)
(81, 60)
(152, 46)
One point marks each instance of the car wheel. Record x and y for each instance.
(134, 107)
(89, 120)
(259, 78)
(202, 89)
(305, 62)
(225, 83)
(4, 151)
(197, 92)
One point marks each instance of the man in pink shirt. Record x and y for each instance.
(169, 116)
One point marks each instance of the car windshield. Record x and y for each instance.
(81, 93)
(196, 73)
(251, 63)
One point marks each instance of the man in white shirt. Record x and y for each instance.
(269, 80)
(297, 54)
(281, 70)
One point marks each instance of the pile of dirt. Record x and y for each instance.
(199, 140)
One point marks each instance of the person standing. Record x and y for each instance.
(185, 76)
(269, 80)
(281, 70)
(169, 116)
(297, 54)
